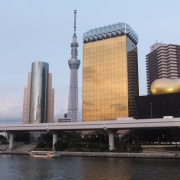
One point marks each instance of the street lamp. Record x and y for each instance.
(163, 137)
(151, 110)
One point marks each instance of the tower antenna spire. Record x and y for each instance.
(74, 64)
(75, 12)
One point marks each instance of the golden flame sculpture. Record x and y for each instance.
(165, 86)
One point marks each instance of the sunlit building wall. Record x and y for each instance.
(26, 101)
(110, 73)
(50, 105)
(38, 106)
(163, 61)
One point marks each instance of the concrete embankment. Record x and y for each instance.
(171, 155)
(23, 149)
(155, 155)
(20, 148)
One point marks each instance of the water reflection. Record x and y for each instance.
(87, 168)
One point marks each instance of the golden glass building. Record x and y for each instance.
(110, 73)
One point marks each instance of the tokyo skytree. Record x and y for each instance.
(74, 64)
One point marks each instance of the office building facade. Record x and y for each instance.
(38, 105)
(110, 73)
(163, 61)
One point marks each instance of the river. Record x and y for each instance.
(23, 167)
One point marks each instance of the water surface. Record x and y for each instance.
(87, 168)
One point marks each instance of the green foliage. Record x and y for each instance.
(172, 148)
(70, 136)
(45, 143)
(3, 139)
(129, 148)
(60, 145)
(46, 149)
(21, 137)
(78, 150)
(103, 148)
(122, 148)
(136, 148)
(40, 145)
(149, 136)
(46, 137)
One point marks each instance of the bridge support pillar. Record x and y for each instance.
(11, 141)
(111, 140)
(54, 139)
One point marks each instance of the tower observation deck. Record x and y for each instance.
(74, 64)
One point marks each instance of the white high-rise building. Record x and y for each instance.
(74, 64)
(163, 61)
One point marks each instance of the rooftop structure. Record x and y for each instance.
(110, 31)
(165, 86)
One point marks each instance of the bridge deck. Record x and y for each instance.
(96, 125)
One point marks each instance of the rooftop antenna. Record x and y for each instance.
(75, 12)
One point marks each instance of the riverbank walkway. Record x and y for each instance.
(23, 149)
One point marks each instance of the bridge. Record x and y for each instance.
(111, 126)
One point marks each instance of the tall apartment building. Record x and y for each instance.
(38, 105)
(110, 73)
(163, 61)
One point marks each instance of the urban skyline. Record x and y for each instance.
(33, 31)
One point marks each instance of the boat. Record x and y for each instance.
(44, 154)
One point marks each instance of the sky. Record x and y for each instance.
(42, 30)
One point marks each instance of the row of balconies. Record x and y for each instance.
(171, 47)
(172, 60)
(152, 73)
(163, 76)
(161, 53)
(153, 65)
(171, 50)
(171, 54)
(162, 72)
(162, 61)
(172, 72)
(162, 68)
(172, 67)
(162, 64)
(162, 57)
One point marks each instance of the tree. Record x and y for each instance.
(149, 136)
(22, 137)
(60, 145)
(3, 139)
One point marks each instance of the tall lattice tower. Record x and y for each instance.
(73, 65)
